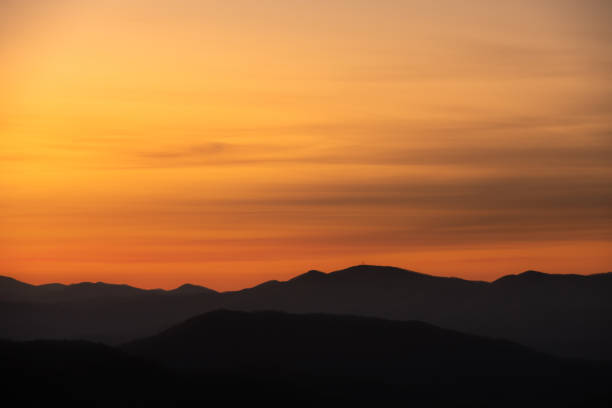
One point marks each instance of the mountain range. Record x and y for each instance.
(566, 315)
(232, 358)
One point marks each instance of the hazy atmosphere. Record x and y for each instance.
(227, 143)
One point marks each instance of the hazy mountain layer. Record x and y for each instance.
(567, 315)
(228, 358)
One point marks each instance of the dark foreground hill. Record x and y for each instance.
(569, 315)
(79, 374)
(376, 360)
(274, 359)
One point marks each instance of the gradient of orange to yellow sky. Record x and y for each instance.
(229, 142)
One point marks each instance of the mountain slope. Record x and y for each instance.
(419, 362)
(568, 315)
(12, 290)
(230, 340)
(565, 314)
(77, 374)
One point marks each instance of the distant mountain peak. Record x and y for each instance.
(364, 267)
(7, 281)
(310, 275)
(527, 276)
(189, 288)
(374, 269)
(93, 284)
(532, 272)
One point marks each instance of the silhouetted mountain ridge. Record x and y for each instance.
(250, 339)
(356, 272)
(426, 362)
(563, 314)
(14, 290)
(275, 359)
(312, 275)
(188, 288)
(7, 282)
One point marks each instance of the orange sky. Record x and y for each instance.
(226, 143)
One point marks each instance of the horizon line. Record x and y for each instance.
(298, 275)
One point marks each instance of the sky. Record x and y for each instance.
(227, 143)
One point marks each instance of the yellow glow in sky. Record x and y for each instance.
(225, 143)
